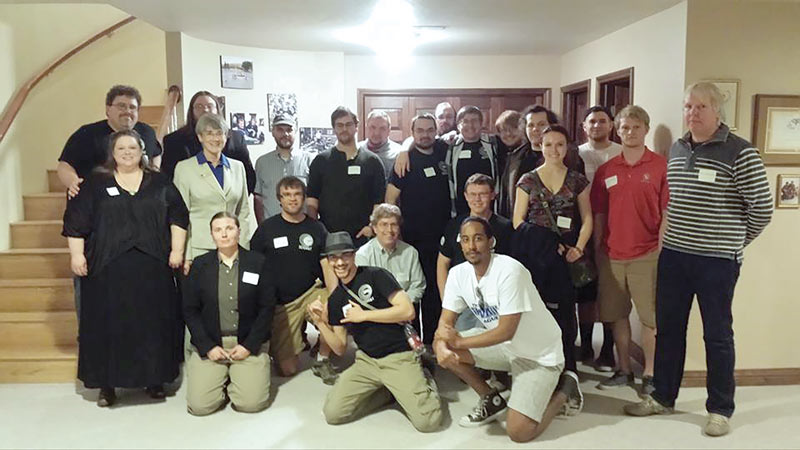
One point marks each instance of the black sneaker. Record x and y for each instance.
(106, 398)
(489, 407)
(569, 384)
(647, 387)
(619, 379)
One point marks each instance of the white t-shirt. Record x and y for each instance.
(593, 159)
(506, 289)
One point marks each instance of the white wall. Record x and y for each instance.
(317, 78)
(656, 48)
(482, 71)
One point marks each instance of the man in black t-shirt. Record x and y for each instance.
(87, 147)
(472, 152)
(345, 183)
(293, 244)
(370, 305)
(424, 198)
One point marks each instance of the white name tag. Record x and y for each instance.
(465, 154)
(611, 181)
(250, 278)
(279, 242)
(346, 308)
(564, 222)
(354, 170)
(458, 237)
(112, 191)
(707, 175)
(430, 172)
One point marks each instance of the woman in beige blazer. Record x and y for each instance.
(209, 183)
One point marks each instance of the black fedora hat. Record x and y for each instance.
(338, 242)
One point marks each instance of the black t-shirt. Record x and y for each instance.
(87, 148)
(424, 194)
(472, 159)
(293, 252)
(373, 286)
(450, 244)
(346, 189)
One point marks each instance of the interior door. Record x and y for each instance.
(395, 107)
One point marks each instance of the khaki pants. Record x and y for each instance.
(247, 381)
(371, 383)
(289, 320)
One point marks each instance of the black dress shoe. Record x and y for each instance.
(156, 392)
(106, 398)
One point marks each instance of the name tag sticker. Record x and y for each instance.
(458, 237)
(354, 170)
(346, 308)
(112, 191)
(611, 181)
(564, 222)
(279, 242)
(707, 175)
(250, 278)
(465, 154)
(430, 172)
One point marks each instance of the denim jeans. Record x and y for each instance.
(681, 276)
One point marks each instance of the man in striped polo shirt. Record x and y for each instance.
(719, 203)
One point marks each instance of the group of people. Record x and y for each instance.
(458, 249)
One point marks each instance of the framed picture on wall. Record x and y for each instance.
(776, 128)
(788, 191)
(281, 104)
(730, 104)
(236, 73)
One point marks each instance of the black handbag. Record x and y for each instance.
(582, 271)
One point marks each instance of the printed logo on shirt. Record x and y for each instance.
(306, 241)
(365, 293)
(646, 177)
(486, 315)
(442, 167)
(484, 154)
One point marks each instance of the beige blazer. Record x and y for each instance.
(204, 198)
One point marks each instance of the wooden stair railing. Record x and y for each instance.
(169, 118)
(14, 105)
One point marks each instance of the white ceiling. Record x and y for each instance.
(473, 26)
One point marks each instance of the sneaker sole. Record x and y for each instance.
(604, 387)
(489, 419)
(570, 410)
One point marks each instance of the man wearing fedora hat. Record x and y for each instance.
(370, 305)
(282, 162)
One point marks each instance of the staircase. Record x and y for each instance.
(38, 326)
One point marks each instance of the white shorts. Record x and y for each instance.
(532, 383)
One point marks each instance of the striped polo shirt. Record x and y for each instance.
(719, 196)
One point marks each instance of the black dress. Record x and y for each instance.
(130, 327)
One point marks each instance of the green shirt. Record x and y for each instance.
(228, 293)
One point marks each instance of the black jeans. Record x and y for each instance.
(681, 276)
(430, 304)
(564, 313)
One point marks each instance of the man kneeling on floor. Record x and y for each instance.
(517, 335)
(228, 308)
(370, 305)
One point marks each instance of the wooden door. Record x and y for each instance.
(574, 101)
(405, 104)
(615, 91)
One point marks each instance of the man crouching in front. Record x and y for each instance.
(228, 307)
(370, 305)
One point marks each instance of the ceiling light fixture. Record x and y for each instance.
(391, 31)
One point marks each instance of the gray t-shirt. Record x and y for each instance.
(387, 153)
(270, 168)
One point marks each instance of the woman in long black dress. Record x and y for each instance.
(126, 229)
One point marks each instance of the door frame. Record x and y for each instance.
(566, 103)
(448, 92)
(611, 77)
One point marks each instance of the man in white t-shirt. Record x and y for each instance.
(516, 333)
(598, 122)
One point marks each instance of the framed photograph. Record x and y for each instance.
(281, 104)
(730, 106)
(236, 73)
(250, 125)
(788, 191)
(776, 129)
(315, 140)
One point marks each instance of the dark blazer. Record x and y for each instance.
(536, 248)
(181, 144)
(201, 303)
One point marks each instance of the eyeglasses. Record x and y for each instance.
(126, 107)
(474, 195)
(479, 295)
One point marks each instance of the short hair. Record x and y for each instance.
(123, 90)
(481, 179)
(110, 164)
(213, 121)
(379, 113)
(191, 123)
(709, 90)
(443, 105)
(635, 112)
(224, 215)
(469, 109)
(290, 182)
(552, 118)
(487, 227)
(558, 129)
(385, 211)
(342, 111)
(508, 118)
(596, 109)
(425, 116)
